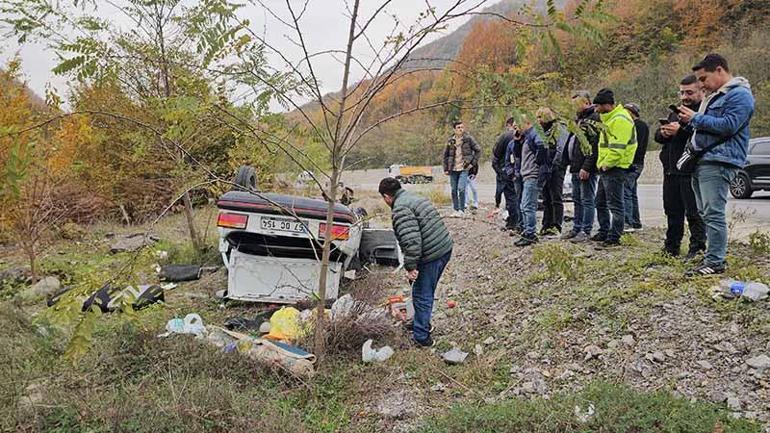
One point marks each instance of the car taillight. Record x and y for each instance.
(339, 233)
(232, 220)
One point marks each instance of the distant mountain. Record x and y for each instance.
(440, 52)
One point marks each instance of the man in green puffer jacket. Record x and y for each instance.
(427, 248)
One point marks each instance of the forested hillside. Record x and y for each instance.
(640, 48)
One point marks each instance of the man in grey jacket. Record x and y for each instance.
(427, 248)
(533, 166)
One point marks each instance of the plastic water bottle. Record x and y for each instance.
(756, 291)
(732, 286)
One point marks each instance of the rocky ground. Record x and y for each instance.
(557, 316)
(536, 322)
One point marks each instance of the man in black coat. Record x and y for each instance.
(631, 198)
(678, 195)
(498, 160)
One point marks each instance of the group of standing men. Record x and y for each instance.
(704, 142)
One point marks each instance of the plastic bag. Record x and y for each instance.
(375, 355)
(284, 324)
(191, 324)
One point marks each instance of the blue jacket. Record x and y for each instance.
(727, 114)
(512, 166)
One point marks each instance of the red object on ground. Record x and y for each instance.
(451, 304)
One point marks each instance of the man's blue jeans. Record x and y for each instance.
(609, 201)
(630, 196)
(529, 194)
(584, 198)
(458, 181)
(711, 182)
(474, 192)
(423, 290)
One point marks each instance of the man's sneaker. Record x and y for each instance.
(569, 235)
(704, 270)
(426, 344)
(599, 237)
(580, 237)
(526, 241)
(637, 227)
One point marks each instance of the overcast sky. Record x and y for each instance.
(324, 25)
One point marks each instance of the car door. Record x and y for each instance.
(759, 162)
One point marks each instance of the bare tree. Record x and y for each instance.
(342, 119)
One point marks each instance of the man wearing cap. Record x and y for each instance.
(633, 221)
(617, 146)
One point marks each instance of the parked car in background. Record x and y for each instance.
(756, 175)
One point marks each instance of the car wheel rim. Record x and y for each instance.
(739, 186)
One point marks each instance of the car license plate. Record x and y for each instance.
(282, 225)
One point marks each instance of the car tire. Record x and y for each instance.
(246, 178)
(740, 187)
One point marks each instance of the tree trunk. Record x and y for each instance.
(188, 213)
(319, 345)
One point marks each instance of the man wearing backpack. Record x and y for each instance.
(720, 145)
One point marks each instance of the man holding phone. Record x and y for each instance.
(678, 196)
(721, 141)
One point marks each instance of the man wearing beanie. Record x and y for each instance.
(617, 146)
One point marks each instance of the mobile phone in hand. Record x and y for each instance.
(674, 108)
(663, 121)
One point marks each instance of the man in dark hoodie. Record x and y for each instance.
(498, 160)
(678, 195)
(582, 155)
(556, 136)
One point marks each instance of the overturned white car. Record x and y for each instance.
(271, 245)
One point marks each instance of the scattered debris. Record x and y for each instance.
(489, 341)
(656, 356)
(284, 324)
(761, 362)
(191, 324)
(375, 355)
(451, 304)
(731, 289)
(733, 403)
(478, 350)
(586, 416)
(592, 351)
(704, 365)
(46, 287)
(628, 340)
(131, 243)
(177, 273)
(454, 356)
(439, 387)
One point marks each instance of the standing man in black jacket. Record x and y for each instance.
(678, 195)
(631, 198)
(582, 156)
(498, 160)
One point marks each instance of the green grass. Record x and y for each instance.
(618, 409)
